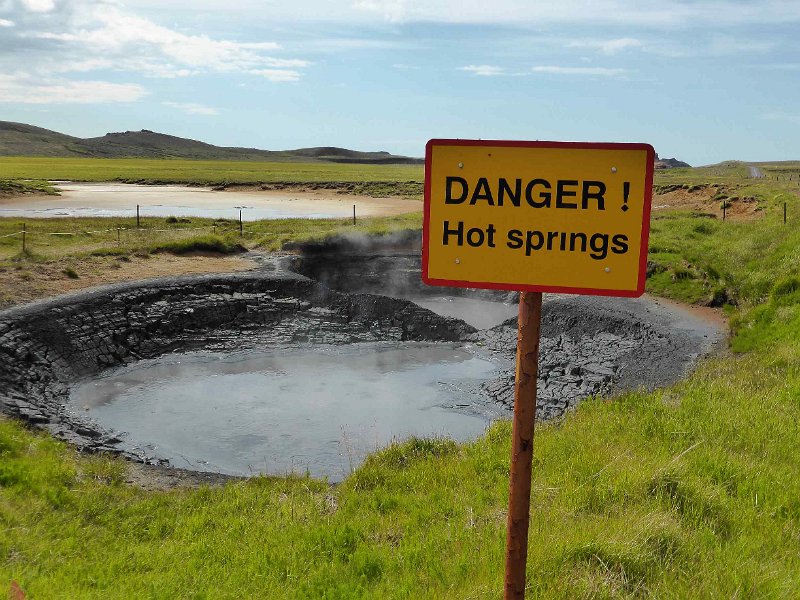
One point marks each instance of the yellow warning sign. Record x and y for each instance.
(537, 216)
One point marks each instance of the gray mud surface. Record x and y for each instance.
(310, 409)
(333, 294)
(590, 345)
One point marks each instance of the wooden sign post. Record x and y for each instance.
(519, 495)
(535, 217)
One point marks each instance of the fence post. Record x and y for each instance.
(241, 233)
(354, 214)
(138, 225)
(119, 241)
(25, 232)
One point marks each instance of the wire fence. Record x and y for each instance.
(119, 236)
(124, 236)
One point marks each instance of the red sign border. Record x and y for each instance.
(648, 199)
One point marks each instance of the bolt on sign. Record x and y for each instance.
(537, 216)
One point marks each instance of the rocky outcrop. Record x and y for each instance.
(669, 163)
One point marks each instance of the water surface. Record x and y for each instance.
(121, 199)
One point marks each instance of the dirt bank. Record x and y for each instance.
(707, 200)
(25, 282)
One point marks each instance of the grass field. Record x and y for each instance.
(59, 237)
(200, 172)
(689, 492)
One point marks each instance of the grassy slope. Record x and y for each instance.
(687, 492)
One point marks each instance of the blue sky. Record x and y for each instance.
(702, 80)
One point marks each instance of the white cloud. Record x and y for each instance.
(286, 63)
(780, 67)
(723, 45)
(334, 44)
(277, 75)
(24, 89)
(39, 6)
(190, 108)
(782, 116)
(589, 71)
(607, 46)
(690, 14)
(6, 23)
(651, 13)
(405, 67)
(391, 10)
(141, 43)
(484, 70)
(86, 35)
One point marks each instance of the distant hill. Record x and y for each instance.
(669, 163)
(19, 139)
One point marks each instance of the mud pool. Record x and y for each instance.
(312, 361)
(318, 410)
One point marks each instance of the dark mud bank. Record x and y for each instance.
(338, 293)
(590, 345)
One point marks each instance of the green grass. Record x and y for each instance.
(705, 260)
(737, 261)
(204, 172)
(688, 492)
(8, 186)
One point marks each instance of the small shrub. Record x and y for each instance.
(654, 267)
(705, 228)
(785, 287)
(399, 456)
(712, 272)
(109, 252)
(171, 220)
(203, 243)
(71, 273)
(681, 273)
(719, 296)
